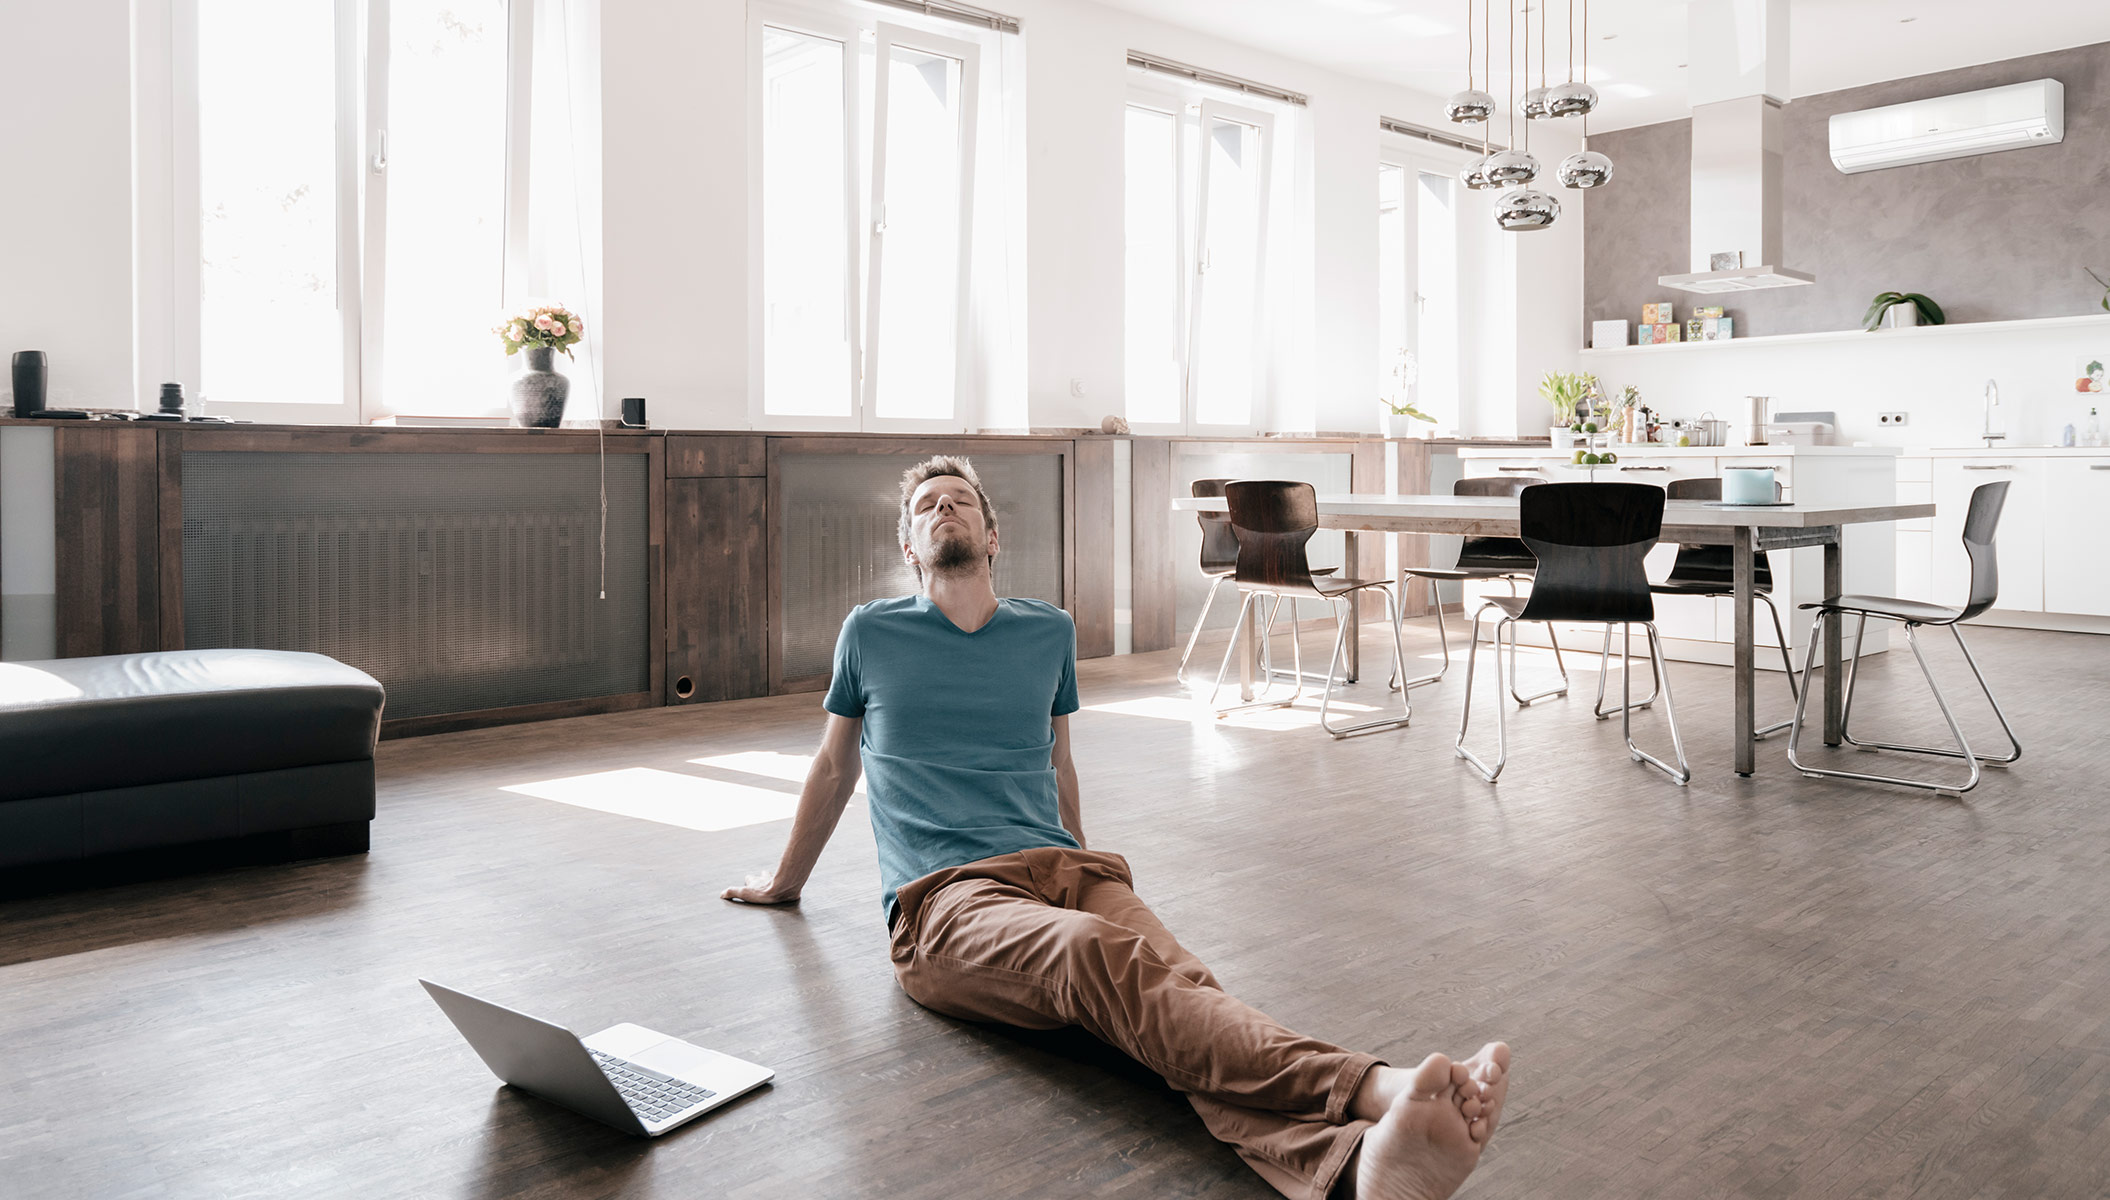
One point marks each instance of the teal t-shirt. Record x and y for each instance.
(957, 730)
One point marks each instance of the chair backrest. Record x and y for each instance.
(1979, 525)
(1712, 564)
(1589, 539)
(1273, 518)
(1219, 541)
(1495, 553)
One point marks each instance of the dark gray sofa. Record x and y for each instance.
(182, 757)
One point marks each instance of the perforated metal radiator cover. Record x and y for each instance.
(839, 546)
(460, 581)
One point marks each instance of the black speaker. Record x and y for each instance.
(29, 382)
(633, 412)
(172, 398)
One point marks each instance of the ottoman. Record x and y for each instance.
(245, 755)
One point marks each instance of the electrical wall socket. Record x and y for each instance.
(1890, 418)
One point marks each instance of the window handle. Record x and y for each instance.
(380, 158)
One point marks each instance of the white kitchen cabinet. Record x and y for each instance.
(1701, 629)
(2019, 539)
(2077, 560)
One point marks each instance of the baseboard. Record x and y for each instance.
(166, 862)
(2053, 622)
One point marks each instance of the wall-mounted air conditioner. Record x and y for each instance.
(2001, 118)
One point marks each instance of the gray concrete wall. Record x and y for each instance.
(1991, 238)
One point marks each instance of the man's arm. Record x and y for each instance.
(829, 783)
(1067, 799)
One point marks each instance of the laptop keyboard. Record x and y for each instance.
(651, 1095)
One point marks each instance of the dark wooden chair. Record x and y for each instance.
(1590, 540)
(1708, 571)
(1274, 519)
(1979, 526)
(1219, 558)
(1504, 558)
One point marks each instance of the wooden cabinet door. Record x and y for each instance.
(2019, 540)
(717, 589)
(2077, 561)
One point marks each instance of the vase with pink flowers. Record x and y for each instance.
(539, 392)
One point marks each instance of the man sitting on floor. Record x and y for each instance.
(960, 703)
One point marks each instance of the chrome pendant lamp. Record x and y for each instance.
(1524, 208)
(1473, 105)
(1575, 98)
(1535, 99)
(1585, 168)
(1474, 174)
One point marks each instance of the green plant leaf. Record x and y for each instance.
(1930, 312)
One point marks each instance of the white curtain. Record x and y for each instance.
(996, 319)
(564, 185)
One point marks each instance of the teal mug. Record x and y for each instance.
(1747, 485)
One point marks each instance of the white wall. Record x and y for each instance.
(1937, 376)
(66, 204)
(677, 215)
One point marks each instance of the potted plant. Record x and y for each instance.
(2102, 283)
(539, 393)
(1899, 310)
(1564, 390)
(1404, 410)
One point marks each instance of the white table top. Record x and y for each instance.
(1680, 513)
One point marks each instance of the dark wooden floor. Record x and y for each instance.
(1763, 988)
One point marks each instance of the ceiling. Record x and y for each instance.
(1637, 47)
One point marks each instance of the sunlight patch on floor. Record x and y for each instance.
(769, 764)
(707, 805)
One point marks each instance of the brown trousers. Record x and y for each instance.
(1048, 938)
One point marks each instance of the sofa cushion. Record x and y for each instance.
(86, 724)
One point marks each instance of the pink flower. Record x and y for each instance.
(577, 326)
(543, 322)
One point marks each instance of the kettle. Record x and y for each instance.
(1755, 424)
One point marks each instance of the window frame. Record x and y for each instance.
(1166, 103)
(864, 182)
(845, 30)
(1418, 159)
(969, 55)
(172, 338)
(1194, 107)
(1217, 110)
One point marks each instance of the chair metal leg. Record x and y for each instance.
(1682, 773)
(1267, 678)
(1443, 637)
(1999, 760)
(1604, 671)
(1180, 676)
(1787, 665)
(1522, 700)
(1963, 746)
(1294, 627)
(1399, 664)
(1465, 713)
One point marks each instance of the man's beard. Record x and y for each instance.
(951, 553)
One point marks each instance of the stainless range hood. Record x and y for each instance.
(1737, 143)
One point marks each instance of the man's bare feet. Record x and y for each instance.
(1422, 1148)
(1477, 1085)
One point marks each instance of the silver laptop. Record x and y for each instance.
(627, 1076)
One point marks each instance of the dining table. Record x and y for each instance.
(1748, 529)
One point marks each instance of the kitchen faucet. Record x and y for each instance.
(1992, 401)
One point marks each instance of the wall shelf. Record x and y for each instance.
(1964, 329)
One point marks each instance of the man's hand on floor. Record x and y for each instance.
(761, 889)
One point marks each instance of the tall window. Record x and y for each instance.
(1417, 291)
(346, 193)
(867, 205)
(1197, 183)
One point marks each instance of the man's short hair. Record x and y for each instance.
(931, 468)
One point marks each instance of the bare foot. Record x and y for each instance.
(1489, 1069)
(1423, 1147)
(1383, 1085)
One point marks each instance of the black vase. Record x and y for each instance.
(29, 382)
